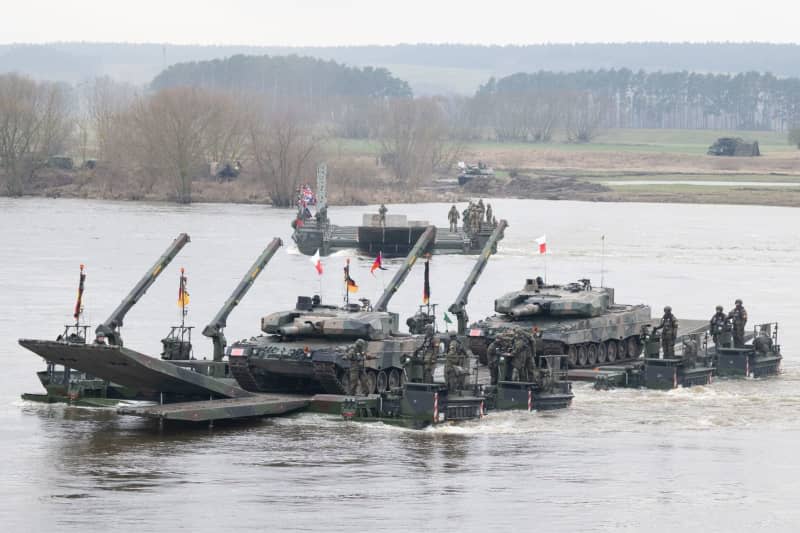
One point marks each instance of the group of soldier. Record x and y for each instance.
(720, 322)
(515, 349)
(474, 217)
(456, 363)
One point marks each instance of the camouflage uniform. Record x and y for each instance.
(739, 318)
(465, 219)
(481, 212)
(382, 215)
(428, 350)
(501, 346)
(452, 217)
(669, 327)
(763, 343)
(454, 365)
(488, 213)
(717, 324)
(357, 374)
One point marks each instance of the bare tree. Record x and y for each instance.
(33, 125)
(415, 140)
(584, 113)
(283, 147)
(171, 128)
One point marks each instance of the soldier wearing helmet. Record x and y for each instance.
(356, 354)
(429, 346)
(669, 325)
(738, 316)
(718, 323)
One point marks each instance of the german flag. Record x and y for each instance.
(349, 282)
(183, 294)
(426, 288)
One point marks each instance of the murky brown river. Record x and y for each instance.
(721, 458)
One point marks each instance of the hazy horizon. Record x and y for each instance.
(311, 23)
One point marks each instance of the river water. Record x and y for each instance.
(716, 458)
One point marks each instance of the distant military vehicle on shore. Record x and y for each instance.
(734, 146)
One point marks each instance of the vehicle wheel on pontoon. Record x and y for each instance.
(622, 350)
(602, 353)
(572, 356)
(382, 381)
(591, 354)
(394, 378)
(634, 347)
(611, 350)
(583, 356)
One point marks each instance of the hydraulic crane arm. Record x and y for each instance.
(110, 328)
(424, 241)
(459, 307)
(214, 329)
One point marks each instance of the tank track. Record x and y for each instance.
(240, 369)
(325, 374)
(595, 360)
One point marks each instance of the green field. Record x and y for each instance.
(689, 142)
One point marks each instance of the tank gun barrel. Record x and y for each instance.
(214, 329)
(110, 328)
(424, 241)
(459, 307)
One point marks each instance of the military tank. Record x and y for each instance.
(303, 349)
(577, 320)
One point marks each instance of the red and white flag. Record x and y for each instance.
(541, 242)
(316, 262)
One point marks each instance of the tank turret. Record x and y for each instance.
(572, 300)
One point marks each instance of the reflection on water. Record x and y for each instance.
(617, 460)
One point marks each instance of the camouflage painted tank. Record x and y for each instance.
(304, 349)
(578, 320)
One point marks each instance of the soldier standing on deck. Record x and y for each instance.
(488, 213)
(669, 325)
(453, 368)
(357, 374)
(452, 217)
(428, 355)
(465, 218)
(717, 323)
(382, 215)
(739, 317)
(481, 212)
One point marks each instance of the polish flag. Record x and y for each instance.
(317, 263)
(542, 243)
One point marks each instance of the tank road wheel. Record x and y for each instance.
(382, 381)
(622, 350)
(344, 381)
(372, 380)
(583, 356)
(634, 347)
(402, 377)
(611, 351)
(602, 353)
(394, 378)
(591, 354)
(572, 356)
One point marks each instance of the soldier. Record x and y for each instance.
(489, 213)
(522, 356)
(717, 323)
(428, 351)
(481, 211)
(465, 219)
(453, 364)
(762, 344)
(739, 317)
(357, 374)
(669, 325)
(382, 215)
(452, 217)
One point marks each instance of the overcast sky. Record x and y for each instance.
(343, 22)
